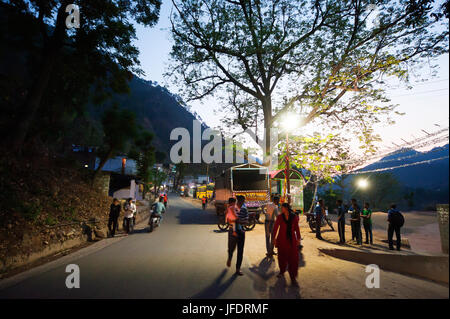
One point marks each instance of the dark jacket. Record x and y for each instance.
(114, 211)
(341, 213)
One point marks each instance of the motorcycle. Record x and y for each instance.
(154, 221)
(223, 225)
(311, 220)
(252, 218)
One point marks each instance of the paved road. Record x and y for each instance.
(184, 258)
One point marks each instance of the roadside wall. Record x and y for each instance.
(442, 215)
(429, 267)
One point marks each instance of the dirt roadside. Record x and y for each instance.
(322, 276)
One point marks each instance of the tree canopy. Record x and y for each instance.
(327, 60)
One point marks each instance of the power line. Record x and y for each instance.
(399, 166)
(430, 139)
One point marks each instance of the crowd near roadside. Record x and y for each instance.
(129, 213)
(283, 233)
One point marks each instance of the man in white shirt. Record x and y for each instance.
(128, 216)
(134, 210)
(271, 214)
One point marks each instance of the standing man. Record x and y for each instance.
(128, 218)
(239, 240)
(396, 221)
(367, 223)
(319, 212)
(271, 214)
(341, 220)
(134, 210)
(356, 219)
(114, 213)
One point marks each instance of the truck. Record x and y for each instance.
(250, 180)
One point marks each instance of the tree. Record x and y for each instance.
(180, 171)
(105, 34)
(317, 155)
(157, 177)
(143, 152)
(119, 127)
(322, 59)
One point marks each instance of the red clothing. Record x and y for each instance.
(287, 249)
(231, 216)
(165, 198)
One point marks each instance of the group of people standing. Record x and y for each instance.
(129, 219)
(282, 232)
(356, 216)
(395, 222)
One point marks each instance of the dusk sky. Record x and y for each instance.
(425, 105)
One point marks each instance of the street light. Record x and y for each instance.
(363, 183)
(289, 122)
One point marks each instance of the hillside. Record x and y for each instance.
(433, 175)
(156, 109)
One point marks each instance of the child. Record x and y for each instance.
(231, 216)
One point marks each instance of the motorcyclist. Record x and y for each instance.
(158, 208)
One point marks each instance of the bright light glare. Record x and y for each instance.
(291, 121)
(363, 183)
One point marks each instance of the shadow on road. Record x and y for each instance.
(266, 270)
(217, 288)
(196, 216)
(281, 290)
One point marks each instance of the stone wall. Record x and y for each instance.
(102, 182)
(442, 215)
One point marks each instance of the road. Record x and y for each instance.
(185, 258)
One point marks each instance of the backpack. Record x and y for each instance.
(397, 219)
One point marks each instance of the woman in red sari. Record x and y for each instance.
(286, 234)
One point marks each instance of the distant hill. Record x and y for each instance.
(433, 175)
(156, 109)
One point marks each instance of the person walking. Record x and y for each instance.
(231, 219)
(356, 220)
(114, 213)
(238, 240)
(367, 223)
(286, 234)
(320, 213)
(204, 202)
(165, 200)
(128, 218)
(341, 220)
(271, 214)
(396, 221)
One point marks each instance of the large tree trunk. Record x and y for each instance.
(267, 110)
(102, 163)
(33, 101)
